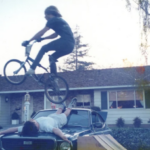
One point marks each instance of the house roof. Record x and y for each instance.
(88, 79)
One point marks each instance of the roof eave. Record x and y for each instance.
(79, 88)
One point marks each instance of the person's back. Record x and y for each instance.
(61, 27)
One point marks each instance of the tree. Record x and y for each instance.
(76, 61)
(143, 7)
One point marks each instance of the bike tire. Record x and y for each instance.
(10, 67)
(56, 89)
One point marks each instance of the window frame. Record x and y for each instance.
(83, 106)
(100, 120)
(117, 101)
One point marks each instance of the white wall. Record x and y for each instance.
(97, 98)
(127, 114)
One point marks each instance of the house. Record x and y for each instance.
(122, 92)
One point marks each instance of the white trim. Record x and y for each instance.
(100, 101)
(77, 88)
(116, 100)
(44, 101)
(0, 103)
(22, 91)
(134, 99)
(144, 99)
(107, 100)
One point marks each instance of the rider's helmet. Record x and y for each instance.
(52, 10)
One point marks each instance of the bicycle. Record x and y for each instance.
(56, 87)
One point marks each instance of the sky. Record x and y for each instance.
(112, 32)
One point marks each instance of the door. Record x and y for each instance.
(97, 123)
(5, 116)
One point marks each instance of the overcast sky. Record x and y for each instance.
(112, 32)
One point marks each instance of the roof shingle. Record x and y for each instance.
(87, 78)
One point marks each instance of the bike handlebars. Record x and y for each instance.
(26, 43)
(29, 46)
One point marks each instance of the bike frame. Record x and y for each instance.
(29, 59)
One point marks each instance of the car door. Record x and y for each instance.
(97, 123)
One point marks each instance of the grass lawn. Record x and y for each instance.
(133, 138)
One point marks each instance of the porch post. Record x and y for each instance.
(26, 104)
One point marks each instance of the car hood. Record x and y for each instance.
(73, 133)
(70, 132)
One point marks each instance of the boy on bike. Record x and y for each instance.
(62, 46)
(51, 123)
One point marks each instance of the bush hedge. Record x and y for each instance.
(120, 122)
(137, 122)
(133, 138)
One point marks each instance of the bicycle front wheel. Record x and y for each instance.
(14, 71)
(56, 89)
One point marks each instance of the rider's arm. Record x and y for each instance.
(39, 34)
(60, 134)
(10, 130)
(52, 36)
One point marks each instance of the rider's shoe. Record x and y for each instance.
(72, 103)
(62, 105)
(30, 72)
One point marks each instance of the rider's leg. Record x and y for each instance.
(72, 104)
(54, 57)
(61, 107)
(59, 46)
(53, 67)
(38, 58)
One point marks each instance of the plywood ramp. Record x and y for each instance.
(99, 142)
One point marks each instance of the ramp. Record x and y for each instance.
(99, 142)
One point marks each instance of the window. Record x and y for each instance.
(79, 118)
(83, 101)
(126, 99)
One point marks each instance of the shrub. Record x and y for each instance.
(15, 116)
(1, 127)
(120, 122)
(133, 138)
(137, 122)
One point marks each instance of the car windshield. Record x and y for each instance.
(78, 118)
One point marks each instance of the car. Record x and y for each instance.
(81, 122)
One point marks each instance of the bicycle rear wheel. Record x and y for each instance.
(56, 89)
(14, 72)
